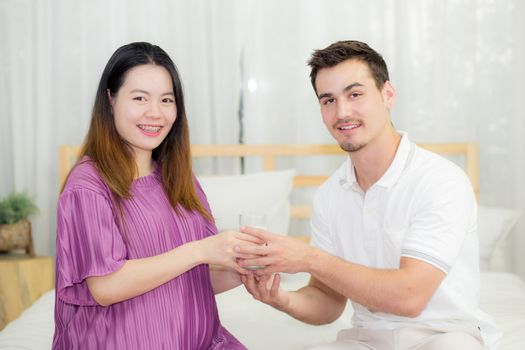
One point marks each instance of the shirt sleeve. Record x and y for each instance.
(445, 217)
(321, 237)
(89, 243)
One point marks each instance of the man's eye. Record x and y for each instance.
(329, 101)
(355, 95)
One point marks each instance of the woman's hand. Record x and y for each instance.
(219, 249)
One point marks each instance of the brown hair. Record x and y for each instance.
(114, 158)
(349, 50)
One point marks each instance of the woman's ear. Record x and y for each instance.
(111, 100)
(110, 97)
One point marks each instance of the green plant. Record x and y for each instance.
(16, 206)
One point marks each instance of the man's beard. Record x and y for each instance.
(351, 147)
(348, 146)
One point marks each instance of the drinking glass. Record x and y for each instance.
(257, 221)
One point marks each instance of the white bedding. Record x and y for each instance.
(261, 327)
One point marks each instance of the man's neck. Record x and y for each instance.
(372, 161)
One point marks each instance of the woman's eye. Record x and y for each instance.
(139, 98)
(168, 100)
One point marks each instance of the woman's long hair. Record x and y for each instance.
(114, 157)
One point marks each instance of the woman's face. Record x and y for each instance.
(144, 108)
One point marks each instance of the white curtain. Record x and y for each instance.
(52, 54)
(457, 66)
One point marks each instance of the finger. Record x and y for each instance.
(268, 270)
(262, 285)
(235, 265)
(240, 270)
(249, 238)
(251, 285)
(269, 282)
(246, 262)
(262, 279)
(240, 256)
(252, 249)
(258, 261)
(256, 232)
(274, 290)
(244, 279)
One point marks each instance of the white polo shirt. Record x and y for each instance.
(423, 207)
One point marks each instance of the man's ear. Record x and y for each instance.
(389, 94)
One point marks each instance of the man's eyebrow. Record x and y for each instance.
(346, 89)
(326, 94)
(351, 86)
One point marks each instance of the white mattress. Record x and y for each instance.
(261, 327)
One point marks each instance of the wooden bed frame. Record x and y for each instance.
(270, 153)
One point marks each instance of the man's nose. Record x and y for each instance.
(343, 110)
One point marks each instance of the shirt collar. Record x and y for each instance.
(400, 162)
(394, 171)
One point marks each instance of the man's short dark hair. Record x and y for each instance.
(349, 50)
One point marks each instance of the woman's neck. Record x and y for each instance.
(144, 164)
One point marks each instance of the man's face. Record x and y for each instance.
(354, 110)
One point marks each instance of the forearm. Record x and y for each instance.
(403, 291)
(361, 285)
(139, 276)
(312, 305)
(396, 291)
(223, 278)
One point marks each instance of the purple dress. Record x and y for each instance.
(180, 314)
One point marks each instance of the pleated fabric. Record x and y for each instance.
(92, 241)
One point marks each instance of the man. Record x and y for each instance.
(393, 229)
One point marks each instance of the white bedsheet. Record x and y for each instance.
(33, 330)
(261, 327)
(503, 297)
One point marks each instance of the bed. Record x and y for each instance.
(279, 175)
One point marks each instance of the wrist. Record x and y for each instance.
(286, 304)
(195, 250)
(313, 260)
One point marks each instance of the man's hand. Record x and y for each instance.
(267, 290)
(278, 254)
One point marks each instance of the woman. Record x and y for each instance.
(134, 230)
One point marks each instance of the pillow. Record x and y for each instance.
(494, 224)
(265, 193)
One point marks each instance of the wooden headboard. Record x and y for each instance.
(270, 153)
